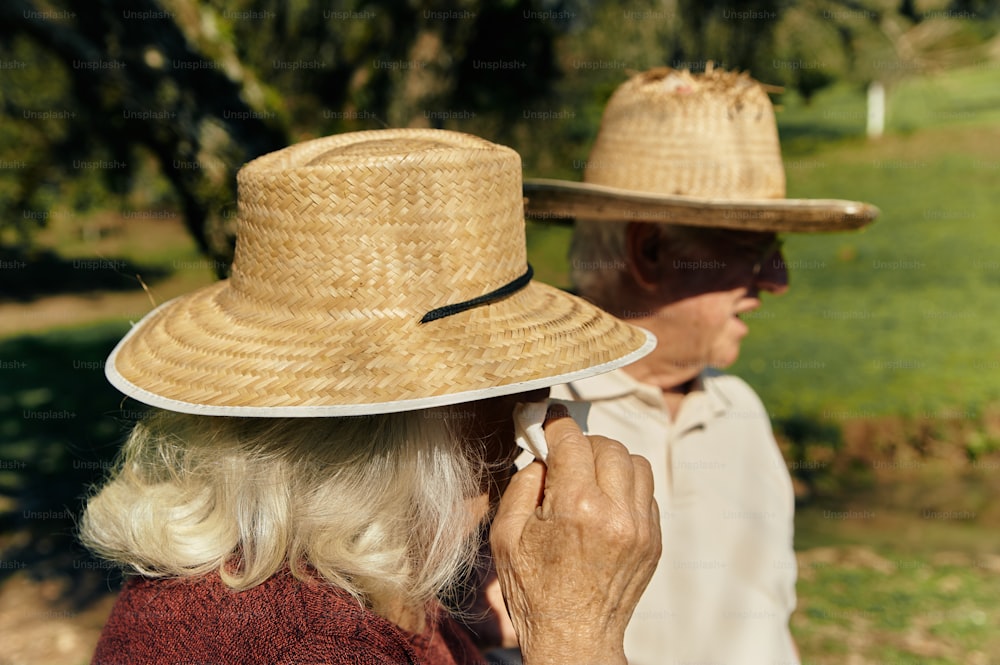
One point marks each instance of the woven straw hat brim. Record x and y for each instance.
(209, 353)
(374, 272)
(563, 199)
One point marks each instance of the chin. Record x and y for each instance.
(724, 360)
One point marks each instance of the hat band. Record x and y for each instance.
(505, 290)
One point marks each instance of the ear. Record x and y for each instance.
(644, 254)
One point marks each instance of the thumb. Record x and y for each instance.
(517, 506)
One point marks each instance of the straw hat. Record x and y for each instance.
(700, 150)
(374, 272)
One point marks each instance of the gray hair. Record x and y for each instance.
(599, 258)
(376, 505)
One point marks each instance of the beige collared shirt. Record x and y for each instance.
(725, 585)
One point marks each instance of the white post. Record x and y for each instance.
(876, 109)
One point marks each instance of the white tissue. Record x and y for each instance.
(529, 436)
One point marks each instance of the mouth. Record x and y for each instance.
(746, 307)
(744, 314)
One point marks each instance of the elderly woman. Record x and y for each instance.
(332, 429)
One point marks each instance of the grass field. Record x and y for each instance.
(884, 346)
(898, 318)
(858, 604)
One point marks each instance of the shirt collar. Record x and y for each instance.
(707, 396)
(613, 385)
(719, 402)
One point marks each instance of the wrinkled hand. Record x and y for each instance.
(575, 544)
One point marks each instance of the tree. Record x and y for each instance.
(142, 76)
(205, 87)
(198, 87)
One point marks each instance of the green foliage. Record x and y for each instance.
(733, 34)
(811, 444)
(981, 444)
(809, 52)
(547, 252)
(533, 74)
(36, 111)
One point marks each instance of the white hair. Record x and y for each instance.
(376, 505)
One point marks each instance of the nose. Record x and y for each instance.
(773, 276)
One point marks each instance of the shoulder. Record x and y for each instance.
(283, 620)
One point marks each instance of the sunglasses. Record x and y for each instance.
(753, 255)
(770, 250)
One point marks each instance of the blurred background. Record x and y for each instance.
(122, 125)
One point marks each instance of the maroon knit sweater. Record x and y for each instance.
(200, 621)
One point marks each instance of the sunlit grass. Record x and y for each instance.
(858, 602)
(898, 318)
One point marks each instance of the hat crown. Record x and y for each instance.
(374, 272)
(404, 207)
(670, 132)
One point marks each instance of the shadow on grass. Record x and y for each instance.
(37, 273)
(60, 427)
(811, 443)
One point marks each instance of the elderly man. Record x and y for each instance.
(677, 225)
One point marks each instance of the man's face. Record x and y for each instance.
(706, 287)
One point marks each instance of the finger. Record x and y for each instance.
(571, 457)
(647, 511)
(615, 472)
(649, 550)
(517, 505)
(643, 486)
(656, 534)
